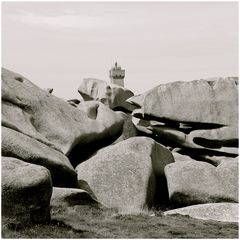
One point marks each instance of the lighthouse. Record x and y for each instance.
(117, 75)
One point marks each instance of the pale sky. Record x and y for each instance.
(57, 44)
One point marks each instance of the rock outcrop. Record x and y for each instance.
(175, 145)
(40, 115)
(200, 118)
(111, 95)
(224, 212)
(125, 175)
(26, 192)
(192, 182)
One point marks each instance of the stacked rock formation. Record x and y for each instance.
(176, 145)
(41, 129)
(198, 122)
(198, 118)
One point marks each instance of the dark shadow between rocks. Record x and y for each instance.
(81, 153)
(215, 143)
(122, 109)
(161, 198)
(183, 126)
(194, 153)
(151, 188)
(161, 195)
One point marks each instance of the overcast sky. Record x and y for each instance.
(58, 44)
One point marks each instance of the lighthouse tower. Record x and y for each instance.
(117, 75)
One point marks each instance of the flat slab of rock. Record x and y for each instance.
(21, 146)
(26, 192)
(202, 101)
(224, 212)
(32, 111)
(124, 175)
(193, 182)
(111, 95)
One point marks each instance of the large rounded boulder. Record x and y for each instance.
(193, 182)
(125, 175)
(26, 192)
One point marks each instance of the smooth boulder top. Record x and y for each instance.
(202, 101)
(224, 212)
(124, 175)
(34, 112)
(109, 94)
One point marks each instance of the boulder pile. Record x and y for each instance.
(111, 95)
(198, 119)
(175, 145)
